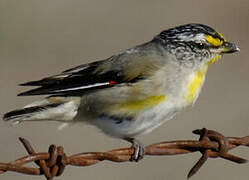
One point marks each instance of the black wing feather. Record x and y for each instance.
(76, 71)
(76, 81)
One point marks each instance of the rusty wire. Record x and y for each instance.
(211, 144)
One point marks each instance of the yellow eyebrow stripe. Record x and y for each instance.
(144, 103)
(221, 36)
(213, 41)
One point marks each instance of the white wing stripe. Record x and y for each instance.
(82, 87)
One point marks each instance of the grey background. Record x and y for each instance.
(41, 38)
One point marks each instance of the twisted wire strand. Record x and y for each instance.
(211, 144)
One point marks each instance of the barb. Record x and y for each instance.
(211, 144)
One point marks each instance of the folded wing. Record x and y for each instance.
(81, 79)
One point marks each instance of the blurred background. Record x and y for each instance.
(41, 38)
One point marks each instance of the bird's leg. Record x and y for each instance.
(139, 149)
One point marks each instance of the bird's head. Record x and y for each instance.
(194, 44)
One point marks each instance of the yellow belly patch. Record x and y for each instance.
(194, 86)
(138, 105)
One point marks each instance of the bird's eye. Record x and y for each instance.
(200, 45)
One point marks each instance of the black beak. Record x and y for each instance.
(228, 47)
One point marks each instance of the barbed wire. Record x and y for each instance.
(211, 144)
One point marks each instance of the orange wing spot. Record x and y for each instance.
(112, 82)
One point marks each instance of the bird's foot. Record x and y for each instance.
(139, 149)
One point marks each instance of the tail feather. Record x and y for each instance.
(58, 111)
(26, 113)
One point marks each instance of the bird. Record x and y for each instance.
(134, 91)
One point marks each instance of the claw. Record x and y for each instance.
(139, 150)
